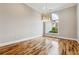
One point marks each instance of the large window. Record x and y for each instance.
(54, 21)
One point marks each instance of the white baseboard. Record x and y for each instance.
(29, 38)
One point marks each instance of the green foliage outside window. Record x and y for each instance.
(54, 30)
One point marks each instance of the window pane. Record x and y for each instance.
(54, 21)
(55, 17)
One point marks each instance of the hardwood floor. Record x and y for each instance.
(68, 47)
(41, 46)
(36, 46)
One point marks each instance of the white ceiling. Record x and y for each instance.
(49, 6)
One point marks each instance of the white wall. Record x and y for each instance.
(48, 26)
(18, 21)
(78, 21)
(67, 23)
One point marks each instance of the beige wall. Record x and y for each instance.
(18, 21)
(67, 23)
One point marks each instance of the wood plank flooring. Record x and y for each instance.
(41, 46)
(68, 47)
(36, 46)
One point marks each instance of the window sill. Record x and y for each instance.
(52, 34)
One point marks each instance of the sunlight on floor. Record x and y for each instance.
(54, 50)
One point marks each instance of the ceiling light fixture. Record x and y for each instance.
(46, 14)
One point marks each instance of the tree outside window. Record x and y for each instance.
(54, 21)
